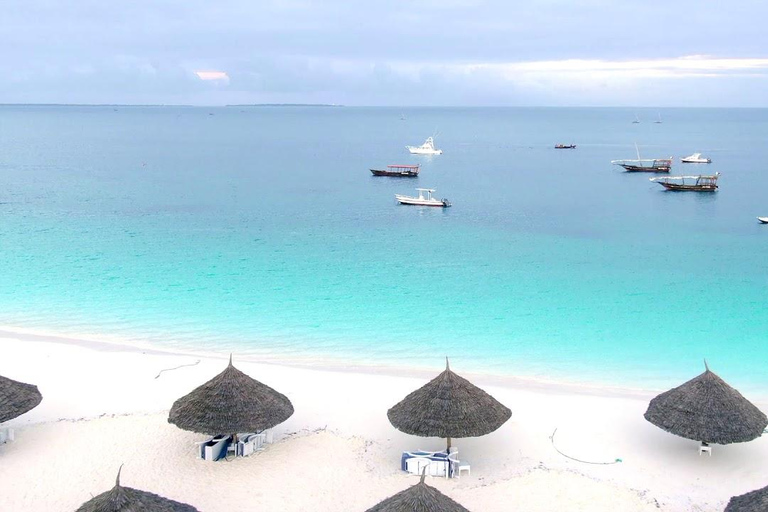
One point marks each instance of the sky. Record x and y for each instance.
(688, 53)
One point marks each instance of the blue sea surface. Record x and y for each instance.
(261, 231)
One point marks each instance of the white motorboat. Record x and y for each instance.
(763, 220)
(695, 158)
(428, 148)
(424, 199)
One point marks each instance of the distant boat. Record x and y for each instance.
(428, 148)
(763, 220)
(658, 121)
(700, 183)
(424, 199)
(565, 146)
(398, 171)
(695, 158)
(637, 120)
(645, 165)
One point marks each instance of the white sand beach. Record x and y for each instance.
(106, 405)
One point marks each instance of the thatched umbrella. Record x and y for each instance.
(228, 403)
(126, 499)
(16, 398)
(418, 498)
(448, 406)
(707, 409)
(755, 501)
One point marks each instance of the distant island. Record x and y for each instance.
(287, 105)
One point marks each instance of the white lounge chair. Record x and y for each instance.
(214, 448)
(705, 448)
(457, 466)
(6, 435)
(416, 465)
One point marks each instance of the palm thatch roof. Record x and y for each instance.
(126, 499)
(229, 403)
(707, 409)
(418, 498)
(755, 501)
(448, 406)
(16, 398)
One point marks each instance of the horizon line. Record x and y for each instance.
(337, 105)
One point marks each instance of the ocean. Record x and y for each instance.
(261, 231)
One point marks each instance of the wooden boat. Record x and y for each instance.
(645, 165)
(424, 199)
(565, 146)
(398, 171)
(428, 148)
(695, 158)
(700, 183)
(763, 220)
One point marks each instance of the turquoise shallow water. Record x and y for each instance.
(260, 230)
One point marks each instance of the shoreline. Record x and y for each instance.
(333, 365)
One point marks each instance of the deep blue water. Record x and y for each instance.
(261, 230)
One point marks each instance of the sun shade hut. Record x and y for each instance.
(418, 498)
(126, 499)
(16, 398)
(448, 406)
(707, 409)
(229, 403)
(755, 501)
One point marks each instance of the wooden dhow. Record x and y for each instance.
(689, 183)
(398, 171)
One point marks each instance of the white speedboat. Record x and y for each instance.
(424, 199)
(695, 158)
(763, 220)
(428, 148)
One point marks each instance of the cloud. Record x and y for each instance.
(217, 76)
(414, 52)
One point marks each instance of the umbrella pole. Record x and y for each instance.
(448, 449)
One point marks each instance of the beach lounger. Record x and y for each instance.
(436, 465)
(458, 466)
(439, 467)
(250, 442)
(705, 448)
(439, 463)
(214, 448)
(416, 465)
(6, 435)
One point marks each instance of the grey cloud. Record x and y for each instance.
(147, 51)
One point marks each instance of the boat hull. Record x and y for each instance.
(415, 201)
(677, 187)
(417, 151)
(403, 174)
(763, 220)
(640, 168)
(701, 161)
(565, 146)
